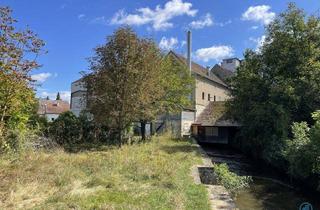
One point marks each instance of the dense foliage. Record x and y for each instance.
(277, 86)
(231, 181)
(303, 150)
(18, 48)
(69, 130)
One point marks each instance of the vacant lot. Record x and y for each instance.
(154, 175)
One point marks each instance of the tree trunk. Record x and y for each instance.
(119, 136)
(143, 130)
(152, 128)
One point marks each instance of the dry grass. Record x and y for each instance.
(154, 175)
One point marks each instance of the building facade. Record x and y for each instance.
(78, 97)
(209, 88)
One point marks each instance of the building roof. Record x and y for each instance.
(198, 69)
(215, 115)
(222, 73)
(52, 106)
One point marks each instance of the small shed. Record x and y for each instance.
(213, 125)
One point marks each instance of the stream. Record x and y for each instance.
(269, 190)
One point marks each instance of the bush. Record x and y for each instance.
(69, 129)
(66, 129)
(39, 123)
(231, 181)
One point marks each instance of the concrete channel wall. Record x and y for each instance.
(218, 195)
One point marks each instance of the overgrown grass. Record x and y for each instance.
(154, 175)
(231, 181)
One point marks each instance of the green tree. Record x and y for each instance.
(131, 81)
(279, 84)
(166, 85)
(17, 47)
(115, 82)
(58, 96)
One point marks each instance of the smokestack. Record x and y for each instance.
(189, 50)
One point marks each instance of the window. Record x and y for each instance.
(212, 131)
(208, 97)
(229, 61)
(202, 95)
(214, 98)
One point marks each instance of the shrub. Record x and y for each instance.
(231, 181)
(39, 123)
(303, 151)
(66, 129)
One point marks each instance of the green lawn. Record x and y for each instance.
(153, 175)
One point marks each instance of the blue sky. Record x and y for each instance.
(72, 28)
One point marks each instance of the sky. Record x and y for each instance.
(71, 30)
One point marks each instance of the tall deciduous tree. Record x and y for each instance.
(279, 84)
(167, 85)
(18, 51)
(131, 81)
(114, 84)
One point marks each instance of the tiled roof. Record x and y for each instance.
(53, 106)
(198, 69)
(215, 115)
(222, 73)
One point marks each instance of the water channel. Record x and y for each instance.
(269, 190)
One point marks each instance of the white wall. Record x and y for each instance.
(187, 118)
(51, 117)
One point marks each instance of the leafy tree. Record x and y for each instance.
(279, 84)
(130, 81)
(114, 85)
(58, 96)
(166, 87)
(48, 98)
(17, 47)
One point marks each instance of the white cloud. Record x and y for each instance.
(159, 17)
(260, 13)
(168, 44)
(214, 53)
(203, 22)
(224, 23)
(258, 41)
(99, 20)
(42, 77)
(81, 16)
(65, 95)
(254, 27)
